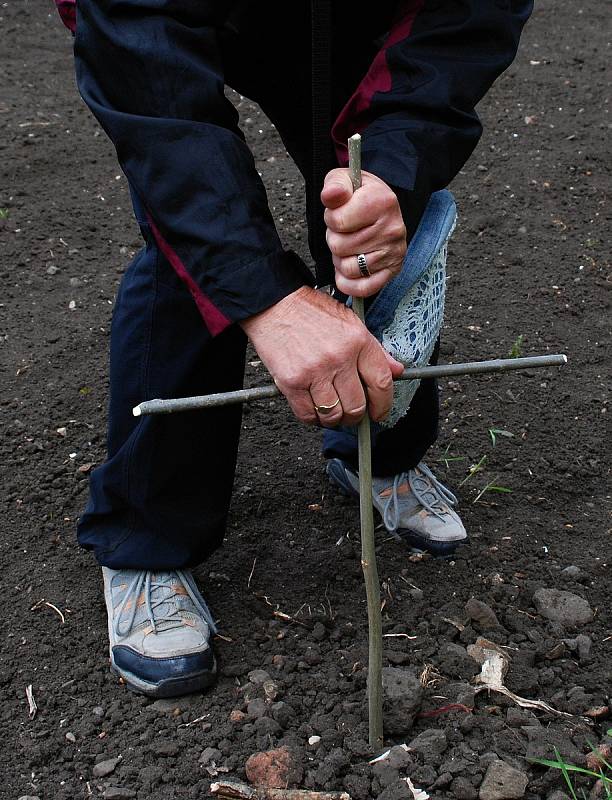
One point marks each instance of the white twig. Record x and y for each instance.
(33, 708)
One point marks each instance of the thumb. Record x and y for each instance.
(396, 366)
(337, 188)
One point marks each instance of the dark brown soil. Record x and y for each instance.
(526, 261)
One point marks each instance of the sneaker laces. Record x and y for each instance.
(158, 592)
(432, 495)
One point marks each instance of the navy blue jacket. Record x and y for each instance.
(407, 75)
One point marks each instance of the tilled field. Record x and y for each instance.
(527, 271)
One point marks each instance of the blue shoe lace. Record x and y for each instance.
(157, 591)
(432, 495)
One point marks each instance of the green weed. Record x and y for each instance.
(604, 774)
(517, 347)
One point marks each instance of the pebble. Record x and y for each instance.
(71, 737)
(29, 797)
(503, 782)
(314, 741)
(257, 708)
(97, 711)
(481, 613)
(276, 769)
(211, 754)
(402, 697)
(567, 608)
(104, 768)
(51, 271)
(572, 573)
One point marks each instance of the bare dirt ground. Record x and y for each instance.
(527, 262)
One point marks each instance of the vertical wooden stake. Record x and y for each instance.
(368, 551)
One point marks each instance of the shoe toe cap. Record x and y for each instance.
(157, 670)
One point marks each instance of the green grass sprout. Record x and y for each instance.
(566, 769)
(495, 432)
(517, 347)
(492, 487)
(473, 470)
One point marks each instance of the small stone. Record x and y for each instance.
(258, 676)
(210, 755)
(276, 769)
(97, 711)
(104, 768)
(29, 797)
(399, 757)
(571, 573)
(583, 644)
(52, 270)
(314, 741)
(71, 737)
(481, 613)
(75, 282)
(503, 782)
(257, 708)
(567, 608)
(237, 716)
(278, 661)
(431, 743)
(402, 697)
(118, 793)
(462, 789)
(267, 726)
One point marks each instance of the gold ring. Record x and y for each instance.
(326, 409)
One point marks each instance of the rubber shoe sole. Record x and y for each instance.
(169, 687)
(417, 543)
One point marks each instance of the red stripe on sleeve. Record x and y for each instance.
(355, 115)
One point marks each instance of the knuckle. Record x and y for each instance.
(383, 382)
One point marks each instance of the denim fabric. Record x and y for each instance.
(400, 448)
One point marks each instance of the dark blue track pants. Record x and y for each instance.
(162, 497)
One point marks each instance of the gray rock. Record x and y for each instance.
(210, 755)
(402, 697)
(431, 744)
(481, 613)
(97, 711)
(104, 768)
(567, 608)
(503, 782)
(584, 644)
(29, 797)
(258, 676)
(462, 789)
(257, 708)
(571, 573)
(267, 726)
(118, 793)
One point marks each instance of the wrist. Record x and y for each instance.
(279, 311)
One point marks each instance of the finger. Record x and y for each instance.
(377, 377)
(362, 209)
(301, 405)
(366, 240)
(397, 368)
(349, 267)
(363, 287)
(325, 396)
(337, 188)
(352, 396)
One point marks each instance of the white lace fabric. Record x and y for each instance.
(411, 335)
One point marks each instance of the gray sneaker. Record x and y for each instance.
(159, 629)
(414, 505)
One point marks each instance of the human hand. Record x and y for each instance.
(319, 353)
(367, 221)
